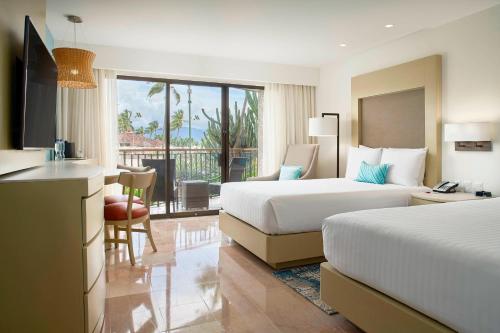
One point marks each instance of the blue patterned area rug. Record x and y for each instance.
(305, 281)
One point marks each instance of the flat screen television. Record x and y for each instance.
(38, 94)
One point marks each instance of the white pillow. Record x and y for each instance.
(407, 166)
(358, 155)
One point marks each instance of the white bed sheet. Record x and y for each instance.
(443, 259)
(284, 207)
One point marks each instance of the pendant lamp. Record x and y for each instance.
(74, 65)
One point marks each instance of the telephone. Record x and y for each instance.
(445, 187)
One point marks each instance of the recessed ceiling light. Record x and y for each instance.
(342, 44)
(389, 26)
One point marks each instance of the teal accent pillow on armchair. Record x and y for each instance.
(290, 172)
(375, 174)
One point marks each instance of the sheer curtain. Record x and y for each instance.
(287, 109)
(88, 117)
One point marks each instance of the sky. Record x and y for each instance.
(133, 95)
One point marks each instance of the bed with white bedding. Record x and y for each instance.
(442, 260)
(286, 207)
(280, 221)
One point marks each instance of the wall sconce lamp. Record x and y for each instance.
(326, 125)
(469, 136)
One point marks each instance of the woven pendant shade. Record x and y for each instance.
(74, 68)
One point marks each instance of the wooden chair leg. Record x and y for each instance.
(107, 235)
(147, 225)
(129, 245)
(117, 234)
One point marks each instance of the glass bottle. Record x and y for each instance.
(59, 150)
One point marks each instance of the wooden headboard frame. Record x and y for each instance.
(422, 73)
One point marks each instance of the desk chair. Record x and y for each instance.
(124, 215)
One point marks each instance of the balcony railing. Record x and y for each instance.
(192, 163)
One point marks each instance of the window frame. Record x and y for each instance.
(225, 110)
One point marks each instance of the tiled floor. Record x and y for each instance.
(158, 207)
(200, 281)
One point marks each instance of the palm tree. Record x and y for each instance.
(152, 127)
(125, 121)
(189, 112)
(177, 121)
(140, 130)
(158, 87)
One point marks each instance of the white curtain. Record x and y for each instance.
(287, 109)
(88, 117)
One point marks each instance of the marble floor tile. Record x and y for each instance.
(210, 327)
(200, 281)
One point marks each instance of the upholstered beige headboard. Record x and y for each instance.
(400, 107)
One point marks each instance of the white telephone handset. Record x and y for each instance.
(445, 187)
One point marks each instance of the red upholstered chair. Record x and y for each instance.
(123, 215)
(114, 198)
(109, 199)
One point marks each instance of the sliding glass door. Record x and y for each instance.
(197, 135)
(244, 109)
(141, 131)
(195, 147)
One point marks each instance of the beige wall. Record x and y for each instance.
(471, 84)
(11, 42)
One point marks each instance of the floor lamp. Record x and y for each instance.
(326, 125)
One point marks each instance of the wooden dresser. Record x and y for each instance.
(52, 249)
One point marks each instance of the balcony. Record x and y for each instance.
(191, 164)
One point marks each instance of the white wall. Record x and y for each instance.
(160, 64)
(471, 88)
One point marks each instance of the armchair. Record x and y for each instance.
(305, 155)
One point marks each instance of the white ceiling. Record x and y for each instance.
(301, 32)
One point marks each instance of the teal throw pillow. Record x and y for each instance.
(289, 172)
(374, 174)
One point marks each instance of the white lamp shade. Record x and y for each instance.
(323, 126)
(468, 132)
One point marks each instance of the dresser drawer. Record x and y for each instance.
(100, 322)
(93, 260)
(94, 303)
(92, 215)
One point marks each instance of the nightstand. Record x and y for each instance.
(425, 198)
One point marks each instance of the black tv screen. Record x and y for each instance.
(38, 93)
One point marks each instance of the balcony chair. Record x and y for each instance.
(236, 170)
(133, 169)
(304, 155)
(160, 194)
(124, 215)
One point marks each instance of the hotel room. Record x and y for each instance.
(272, 166)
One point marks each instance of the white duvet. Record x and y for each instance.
(442, 259)
(283, 207)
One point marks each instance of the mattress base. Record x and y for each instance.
(371, 310)
(278, 251)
